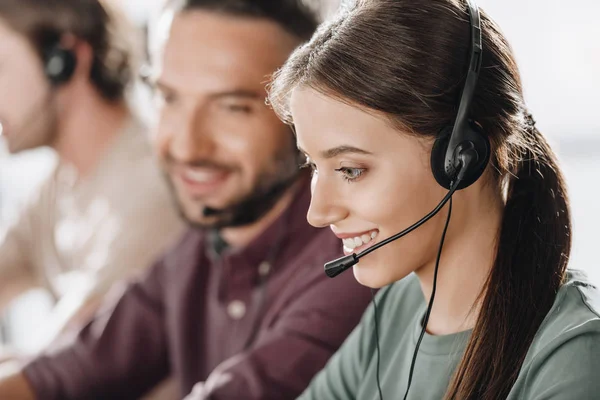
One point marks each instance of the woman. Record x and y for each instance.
(368, 95)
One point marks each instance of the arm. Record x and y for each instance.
(120, 354)
(286, 357)
(72, 312)
(569, 371)
(13, 384)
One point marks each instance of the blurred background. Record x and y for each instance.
(558, 51)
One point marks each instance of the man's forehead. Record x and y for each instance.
(231, 31)
(206, 45)
(196, 31)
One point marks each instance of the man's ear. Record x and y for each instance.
(83, 53)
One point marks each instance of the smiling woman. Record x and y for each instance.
(359, 159)
(368, 96)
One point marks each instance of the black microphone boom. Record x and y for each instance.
(337, 266)
(209, 211)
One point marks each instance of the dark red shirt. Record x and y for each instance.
(198, 315)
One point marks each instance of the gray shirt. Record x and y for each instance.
(562, 363)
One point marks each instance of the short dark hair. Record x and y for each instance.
(295, 16)
(44, 22)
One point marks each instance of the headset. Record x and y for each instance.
(59, 64)
(459, 157)
(465, 138)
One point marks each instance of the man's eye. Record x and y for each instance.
(309, 164)
(238, 108)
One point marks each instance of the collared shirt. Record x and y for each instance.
(78, 236)
(206, 319)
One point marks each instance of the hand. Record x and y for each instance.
(202, 390)
(13, 384)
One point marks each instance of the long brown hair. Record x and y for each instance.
(408, 59)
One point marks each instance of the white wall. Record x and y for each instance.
(557, 45)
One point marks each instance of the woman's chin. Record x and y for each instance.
(370, 275)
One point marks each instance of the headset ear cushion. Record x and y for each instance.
(438, 155)
(59, 65)
(481, 144)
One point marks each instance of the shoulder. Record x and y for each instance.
(178, 264)
(188, 249)
(576, 311)
(565, 354)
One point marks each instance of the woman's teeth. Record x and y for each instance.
(354, 242)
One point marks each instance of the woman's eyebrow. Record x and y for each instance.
(338, 150)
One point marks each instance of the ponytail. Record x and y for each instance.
(532, 253)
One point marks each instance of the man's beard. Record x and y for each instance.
(38, 129)
(270, 187)
(249, 209)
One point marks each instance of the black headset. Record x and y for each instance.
(462, 148)
(59, 64)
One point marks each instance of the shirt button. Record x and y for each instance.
(264, 268)
(236, 309)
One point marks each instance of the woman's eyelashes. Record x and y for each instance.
(349, 174)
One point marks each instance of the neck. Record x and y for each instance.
(467, 258)
(86, 128)
(242, 235)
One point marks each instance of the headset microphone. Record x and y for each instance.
(209, 211)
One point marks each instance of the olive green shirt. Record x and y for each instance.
(563, 362)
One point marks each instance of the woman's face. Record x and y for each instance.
(370, 182)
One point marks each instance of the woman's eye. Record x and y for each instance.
(351, 174)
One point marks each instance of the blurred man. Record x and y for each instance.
(105, 211)
(241, 307)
